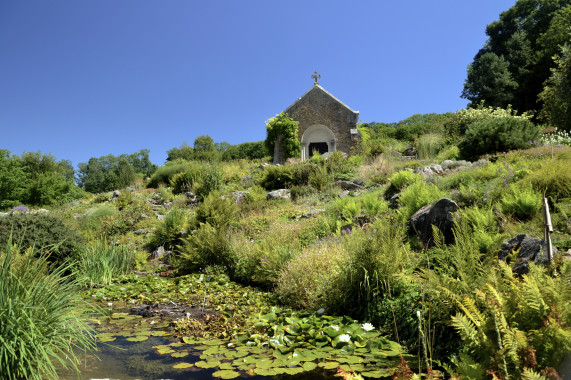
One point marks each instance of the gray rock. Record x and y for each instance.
(115, 194)
(409, 151)
(439, 215)
(348, 185)
(428, 171)
(310, 213)
(359, 181)
(167, 205)
(239, 196)
(530, 249)
(191, 196)
(344, 194)
(161, 217)
(447, 164)
(279, 194)
(141, 232)
(393, 202)
(263, 166)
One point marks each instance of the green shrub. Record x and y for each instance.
(184, 181)
(553, 179)
(373, 206)
(415, 196)
(127, 219)
(211, 180)
(402, 179)
(298, 192)
(216, 211)
(521, 201)
(286, 176)
(168, 233)
(43, 318)
(497, 135)
(319, 179)
(208, 246)
(484, 227)
(42, 231)
(164, 174)
(255, 194)
(339, 166)
(451, 152)
(99, 262)
(428, 145)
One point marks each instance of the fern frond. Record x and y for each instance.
(467, 330)
(529, 374)
(471, 311)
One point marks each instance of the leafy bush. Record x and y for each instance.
(286, 176)
(284, 128)
(164, 174)
(339, 166)
(127, 218)
(210, 181)
(99, 262)
(521, 201)
(42, 231)
(451, 152)
(43, 318)
(319, 179)
(208, 246)
(168, 233)
(497, 135)
(553, 179)
(184, 181)
(215, 210)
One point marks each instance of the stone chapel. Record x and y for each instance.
(325, 123)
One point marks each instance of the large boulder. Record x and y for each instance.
(279, 194)
(439, 215)
(529, 249)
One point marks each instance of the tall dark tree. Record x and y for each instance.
(522, 43)
(557, 93)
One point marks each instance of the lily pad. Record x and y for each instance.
(309, 366)
(208, 364)
(328, 365)
(182, 365)
(181, 354)
(226, 374)
(139, 338)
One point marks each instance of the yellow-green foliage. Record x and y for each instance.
(521, 201)
(428, 145)
(417, 195)
(168, 232)
(553, 179)
(507, 322)
(309, 278)
(402, 179)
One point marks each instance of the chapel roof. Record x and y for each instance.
(317, 87)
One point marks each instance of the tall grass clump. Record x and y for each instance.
(428, 145)
(100, 261)
(42, 318)
(402, 179)
(553, 179)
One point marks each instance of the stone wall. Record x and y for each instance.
(317, 107)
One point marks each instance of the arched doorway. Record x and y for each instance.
(317, 137)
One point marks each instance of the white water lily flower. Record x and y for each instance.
(367, 327)
(109, 304)
(345, 338)
(334, 327)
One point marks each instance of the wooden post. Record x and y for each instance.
(547, 229)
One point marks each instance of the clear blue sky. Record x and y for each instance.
(83, 79)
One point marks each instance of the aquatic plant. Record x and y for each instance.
(42, 318)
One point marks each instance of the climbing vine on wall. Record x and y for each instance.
(284, 126)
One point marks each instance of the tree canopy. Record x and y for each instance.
(515, 61)
(285, 128)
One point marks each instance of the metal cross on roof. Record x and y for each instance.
(316, 76)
